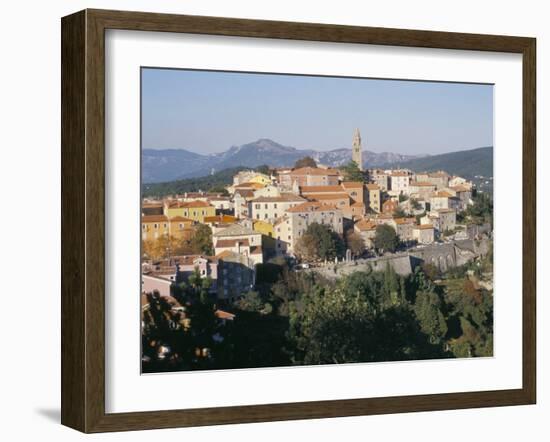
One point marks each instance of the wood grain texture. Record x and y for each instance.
(73, 211)
(83, 219)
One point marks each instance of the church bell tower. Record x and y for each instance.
(356, 153)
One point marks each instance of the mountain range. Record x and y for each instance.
(470, 164)
(173, 164)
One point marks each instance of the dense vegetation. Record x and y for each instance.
(352, 172)
(467, 164)
(210, 183)
(319, 243)
(299, 318)
(305, 162)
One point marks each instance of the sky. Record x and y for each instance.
(207, 112)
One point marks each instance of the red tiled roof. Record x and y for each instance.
(222, 243)
(405, 220)
(460, 188)
(181, 219)
(312, 206)
(185, 204)
(365, 225)
(220, 219)
(352, 184)
(314, 171)
(334, 196)
(424, 227)
(320, 189)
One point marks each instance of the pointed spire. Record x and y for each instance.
(357, 154)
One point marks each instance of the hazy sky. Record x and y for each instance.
(207, 112)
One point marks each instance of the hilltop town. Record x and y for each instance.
(229, 245)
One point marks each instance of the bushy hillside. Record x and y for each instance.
(215, 182)
(466, 163)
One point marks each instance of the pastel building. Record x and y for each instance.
(271, 208)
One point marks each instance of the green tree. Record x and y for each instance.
(319, 242)
(399, 213)
(250, 302)
(385, 238)
(415, 205)
(355, 243)
(175, 339)
(352, 172)
(219, 189)
(264, 168)
(427, 308)
(482, 209)
(201, 242)
(305, 162)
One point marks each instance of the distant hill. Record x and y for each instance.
(160, 165)
(219, 179)
(465, 163)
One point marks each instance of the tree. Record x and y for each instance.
(305, 162)
(399, 213)
(482, 209)
(415, 205)
(319, 242)
(352, 172)
(264, 168)
(385, 238)
(250, 302)
(219, 189)
(427, 308)
(201, 243)
(333, 326)
(158, 248)
(355, 243)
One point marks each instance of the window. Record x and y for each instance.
(257, 216)
(265, 206)
(143, 226)
(265, 215)
(257, 206)
(156, 226)
(275, 205)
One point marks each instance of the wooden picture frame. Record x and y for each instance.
(83, 220)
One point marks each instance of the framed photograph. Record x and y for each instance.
(266, 221)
